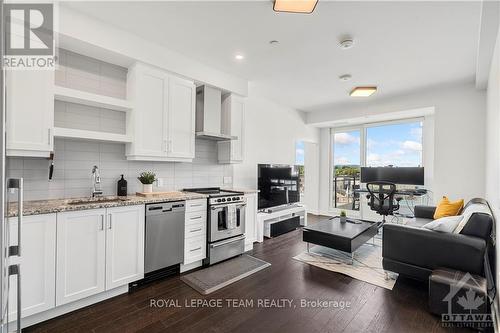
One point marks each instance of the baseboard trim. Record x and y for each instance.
(66, 308)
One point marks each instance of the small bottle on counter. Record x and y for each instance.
(122, 187)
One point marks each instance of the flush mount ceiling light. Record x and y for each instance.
(345, 77)
(239, 56)
(274, 42)
(363, 91)
(295, 6)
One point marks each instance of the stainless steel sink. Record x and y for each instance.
(89, 201)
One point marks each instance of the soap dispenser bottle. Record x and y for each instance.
(122, 187)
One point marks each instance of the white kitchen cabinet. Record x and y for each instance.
(161, 122)
(147, 89)
(81, 256)
(181, 118)
(233, 123)
(30, 113)
(38, 264)
(98, 250)
(124, 245)
(250, 220)
(195, 233)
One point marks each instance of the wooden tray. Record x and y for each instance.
(156, 194)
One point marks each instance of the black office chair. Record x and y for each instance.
(382, 198)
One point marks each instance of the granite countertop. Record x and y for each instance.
(74, 204)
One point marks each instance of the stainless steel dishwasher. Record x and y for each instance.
(164, 235)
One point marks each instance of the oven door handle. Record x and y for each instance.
(229, 241)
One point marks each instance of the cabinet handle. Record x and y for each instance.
(102, 222)
(49, 136)
(15, 270)
(197, 205)
(195, 230)
(13, 184)
(198, 248)
(195, 218)
(110, 223)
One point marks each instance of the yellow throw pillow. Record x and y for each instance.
(447, 208)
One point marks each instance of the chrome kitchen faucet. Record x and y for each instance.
(96, 182)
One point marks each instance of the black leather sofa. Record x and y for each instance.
(413, 251)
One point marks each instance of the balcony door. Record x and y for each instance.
(346, 166)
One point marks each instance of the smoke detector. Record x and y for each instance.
(345, 77)
(346, 43)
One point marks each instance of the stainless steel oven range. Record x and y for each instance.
(225, 223)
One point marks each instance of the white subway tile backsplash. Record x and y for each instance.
(74, 160)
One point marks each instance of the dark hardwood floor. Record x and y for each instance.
(372, 309)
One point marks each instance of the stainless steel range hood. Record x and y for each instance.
(208, 114)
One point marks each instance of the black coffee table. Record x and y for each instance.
(346, 237)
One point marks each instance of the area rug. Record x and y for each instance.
(210, 279)
(366, 266)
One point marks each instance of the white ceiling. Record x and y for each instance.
(399, 46)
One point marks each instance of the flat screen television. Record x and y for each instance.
(278, 185)
(396, 175)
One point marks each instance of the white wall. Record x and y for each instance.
(459, 135)
(493, 141)
(492, 133)
(271, 131)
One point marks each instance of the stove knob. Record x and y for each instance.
(235, 198)
(223, 200)
(219, 200)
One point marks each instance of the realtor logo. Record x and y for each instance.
(29, 30)
(466, 307)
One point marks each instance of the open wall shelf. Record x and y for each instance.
(71, 133)
(82, 97)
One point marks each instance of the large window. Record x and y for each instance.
(385, 144)
(397, 144)
(299, 160)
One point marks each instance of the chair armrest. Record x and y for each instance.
(426, 212)
(432, 249)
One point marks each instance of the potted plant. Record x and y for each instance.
(147, 178)
(343, 216)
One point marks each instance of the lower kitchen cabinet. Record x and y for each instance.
(98, 250)
(195, 233)
(124, 245)
(81, 256)
(38, 264)
(250, 220)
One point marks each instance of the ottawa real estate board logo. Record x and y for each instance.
(29, 36)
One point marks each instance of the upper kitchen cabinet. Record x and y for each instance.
(233, 124)
(161, 122)
(181, 118)
(30, 113)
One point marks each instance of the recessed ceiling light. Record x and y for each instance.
(295, 6)
(274, 42)
(345, 77)
(363, 91)
(239, 57)
(346, 43)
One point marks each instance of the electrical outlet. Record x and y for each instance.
(228, 180)
(159, 182)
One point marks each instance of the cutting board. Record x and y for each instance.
(156, 194)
